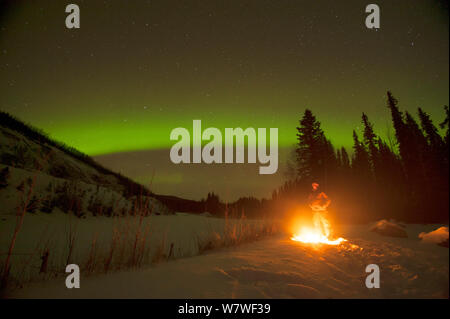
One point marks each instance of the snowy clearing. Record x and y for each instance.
(102, 244)
(277, 267)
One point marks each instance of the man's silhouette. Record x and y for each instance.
(319, 202)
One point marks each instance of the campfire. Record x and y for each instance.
(312, 235)
(320, 233)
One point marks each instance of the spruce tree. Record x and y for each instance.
(370, 143)
(431, 131)
(438, 152)
(311, 149)
(399, 125)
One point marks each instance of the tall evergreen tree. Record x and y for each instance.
(438, 154)
(370, 143)
(399, 125)
(431, 131)
(311, 148)
(411, 142)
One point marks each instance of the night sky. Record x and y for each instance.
(137, 69)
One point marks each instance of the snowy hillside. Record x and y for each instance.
(60, 179)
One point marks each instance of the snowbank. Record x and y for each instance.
(391, 229)
(438, 236)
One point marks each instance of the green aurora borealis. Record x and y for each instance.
(137, 69)
(134, 71)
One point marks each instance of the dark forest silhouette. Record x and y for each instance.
(405, 179)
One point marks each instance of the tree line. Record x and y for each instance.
(404, 178)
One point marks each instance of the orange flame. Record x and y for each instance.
(314, 236)
(319, 234)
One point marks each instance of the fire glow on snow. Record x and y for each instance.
(320, 233)
(315, 236)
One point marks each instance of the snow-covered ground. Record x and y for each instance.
(277, 267)
(99, 242)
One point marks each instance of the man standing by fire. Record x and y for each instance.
(319, 202)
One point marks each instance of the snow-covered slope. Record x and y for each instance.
(56, 181)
